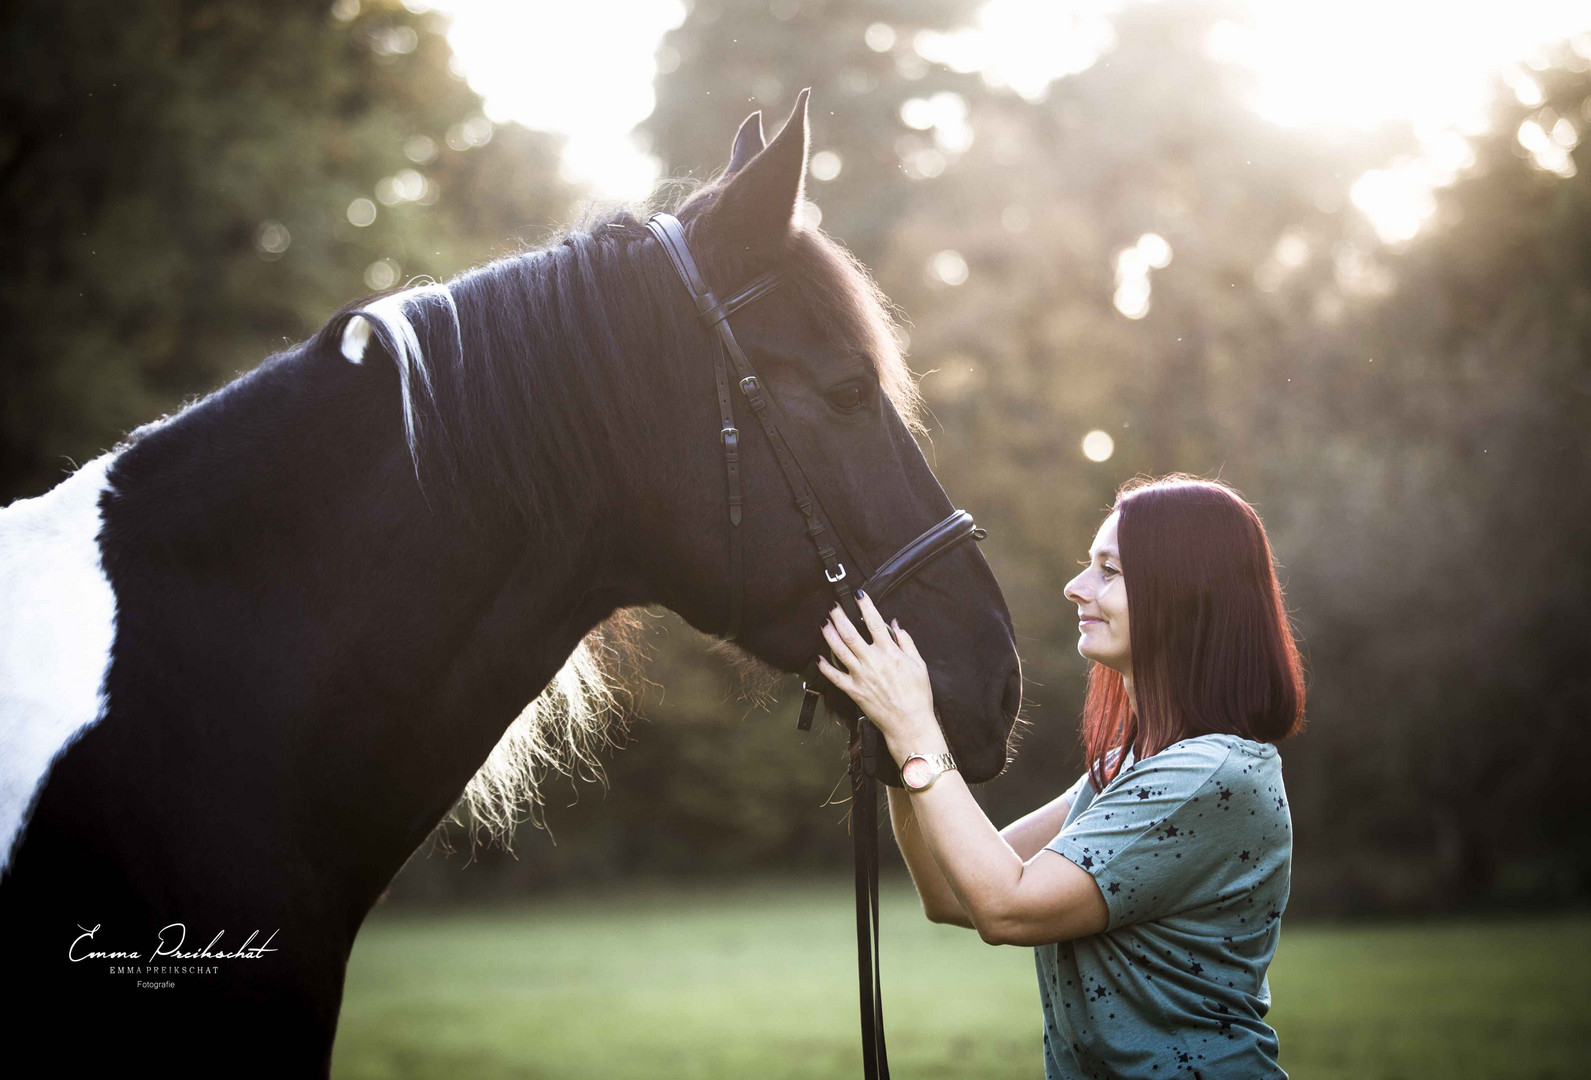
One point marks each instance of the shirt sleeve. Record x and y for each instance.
(1072, 792)
(1146, 838)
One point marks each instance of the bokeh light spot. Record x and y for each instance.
(880, 37)
(381, 274)
(948, 267)
(1154, 250)
(1098, 445)
(1132, 297)
(361, 212)
(1016, 218)
(420, 149)
(272, 239)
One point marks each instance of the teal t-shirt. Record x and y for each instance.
(1192, 849)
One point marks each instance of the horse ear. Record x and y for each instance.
(759, 200)
(748, 143)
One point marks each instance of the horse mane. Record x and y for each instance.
(497, 372)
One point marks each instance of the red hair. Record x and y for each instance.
(1212, 647)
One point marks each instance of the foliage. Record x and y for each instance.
(175, 190)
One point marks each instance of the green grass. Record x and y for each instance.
(762, 983)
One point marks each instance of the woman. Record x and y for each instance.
(1153, 888)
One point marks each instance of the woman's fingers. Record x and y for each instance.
(835, 675)
(839, 646)
(875, 621)
(905, 639)
(842, 622)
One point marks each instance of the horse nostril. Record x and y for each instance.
(1011, 699)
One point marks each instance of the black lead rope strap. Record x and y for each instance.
(869, 962)
(866, 746)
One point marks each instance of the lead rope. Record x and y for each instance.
(864, 838)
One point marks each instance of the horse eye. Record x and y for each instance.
(847, 397)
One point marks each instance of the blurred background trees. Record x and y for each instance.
(1131, 251)
(191, 186)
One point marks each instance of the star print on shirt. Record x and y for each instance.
(1087, 863)
(1243, 857)
(1115, 887)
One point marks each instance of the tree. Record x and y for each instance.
(186, 186)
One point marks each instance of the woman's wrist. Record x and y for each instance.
(918, 738)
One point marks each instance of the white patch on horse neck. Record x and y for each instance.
(392, 312)
(57, 625)
(356, 338)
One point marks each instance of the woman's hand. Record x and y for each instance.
(887, 679)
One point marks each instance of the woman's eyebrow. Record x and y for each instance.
(1109, 553)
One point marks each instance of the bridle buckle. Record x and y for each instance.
(836, 575)
(731, 439)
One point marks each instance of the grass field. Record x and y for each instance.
(761, 983)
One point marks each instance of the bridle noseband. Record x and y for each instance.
(845, 575)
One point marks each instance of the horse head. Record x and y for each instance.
(823, 347)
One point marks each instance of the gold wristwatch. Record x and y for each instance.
(919, 771)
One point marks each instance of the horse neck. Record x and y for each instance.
(277, 564)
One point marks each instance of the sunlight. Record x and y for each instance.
(1357, 64)
(1348, 65)
(522, 58)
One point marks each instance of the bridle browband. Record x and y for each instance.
(845, 575)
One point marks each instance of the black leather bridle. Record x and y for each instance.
(845, 574)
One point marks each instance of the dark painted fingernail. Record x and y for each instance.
(860, 594)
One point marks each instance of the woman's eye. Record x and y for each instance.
(848, 397)
(1109, 569)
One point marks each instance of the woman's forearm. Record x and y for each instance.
(1030, 834)
(938, 899)
(980, 869)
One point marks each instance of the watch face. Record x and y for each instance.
(917, 773)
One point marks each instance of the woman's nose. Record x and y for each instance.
(1072, 592)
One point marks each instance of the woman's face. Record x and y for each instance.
(1101, 598)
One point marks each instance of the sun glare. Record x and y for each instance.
(582, 70)
(1345, 65)
(1357, 64)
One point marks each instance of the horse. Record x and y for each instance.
(252, 656)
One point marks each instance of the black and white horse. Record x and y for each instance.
(250, 658)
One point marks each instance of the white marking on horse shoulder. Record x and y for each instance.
(57, 625)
